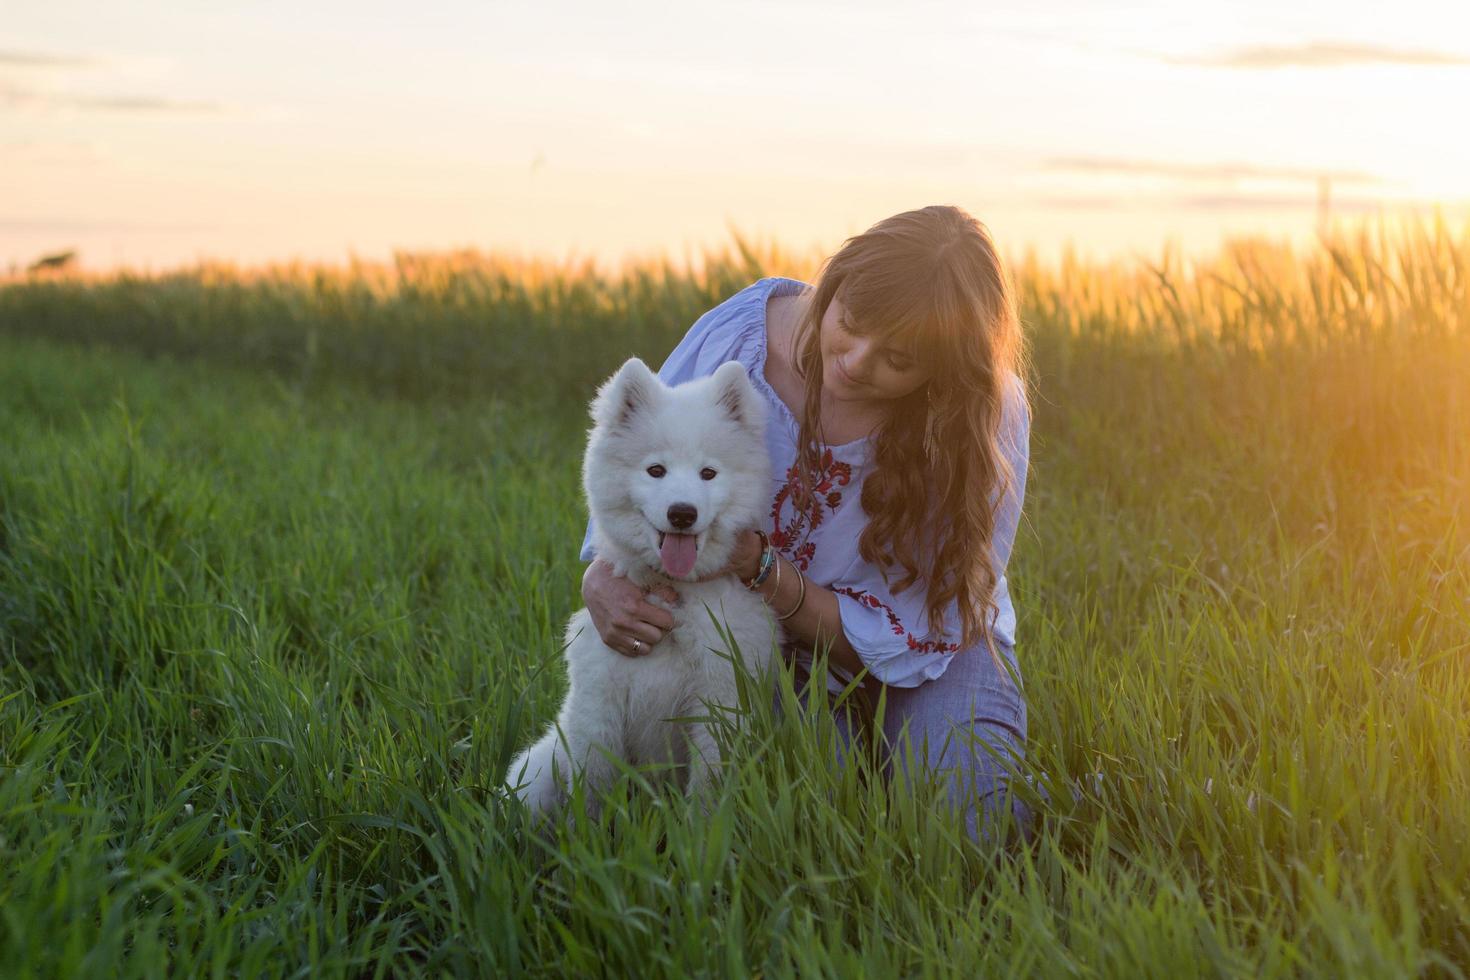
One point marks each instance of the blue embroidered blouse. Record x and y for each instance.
(890, 632)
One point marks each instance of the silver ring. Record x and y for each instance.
(637, 646)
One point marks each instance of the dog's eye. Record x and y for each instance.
(707, 474)
(656, 471)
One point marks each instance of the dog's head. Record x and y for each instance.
(672, 474)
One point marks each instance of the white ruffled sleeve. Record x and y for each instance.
(712, 341)
(891, 632)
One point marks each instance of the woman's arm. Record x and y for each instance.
(817, 622)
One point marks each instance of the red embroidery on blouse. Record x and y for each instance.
(915, 644)
(786, 529)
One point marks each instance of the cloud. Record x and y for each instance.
(50, 152)
(1317, 54)
(150, 104)
(141, 103)
(1268, 202)
(1303, 202)
(1202, 171)
(1278, 203)
(35, 59)
(1079, 202)
(19, 95)
(70, 226)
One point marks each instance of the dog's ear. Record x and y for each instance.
(633, 390)
(736, 397)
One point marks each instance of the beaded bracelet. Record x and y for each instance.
(768, 558)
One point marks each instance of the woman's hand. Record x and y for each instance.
(626, 621)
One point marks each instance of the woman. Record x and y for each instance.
(898, 440)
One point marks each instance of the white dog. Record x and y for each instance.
(671, 476)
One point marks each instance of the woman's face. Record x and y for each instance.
(863, 369)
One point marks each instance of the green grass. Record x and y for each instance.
(284, 561)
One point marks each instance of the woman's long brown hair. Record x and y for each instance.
(929, 280)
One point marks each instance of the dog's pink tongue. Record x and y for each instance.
(677, 554)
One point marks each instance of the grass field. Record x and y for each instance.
(285, 555)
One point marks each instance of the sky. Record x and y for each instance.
(152, 134)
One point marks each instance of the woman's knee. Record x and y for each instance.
(976, 762)
(968, 715)
(979, 744)
(968, 729)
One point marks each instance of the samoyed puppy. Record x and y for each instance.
(671, 476)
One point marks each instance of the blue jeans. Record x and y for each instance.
(967, 726)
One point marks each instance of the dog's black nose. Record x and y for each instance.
(682, 515)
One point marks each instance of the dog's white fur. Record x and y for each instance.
(621, 704)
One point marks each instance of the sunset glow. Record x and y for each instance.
(155, 135)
